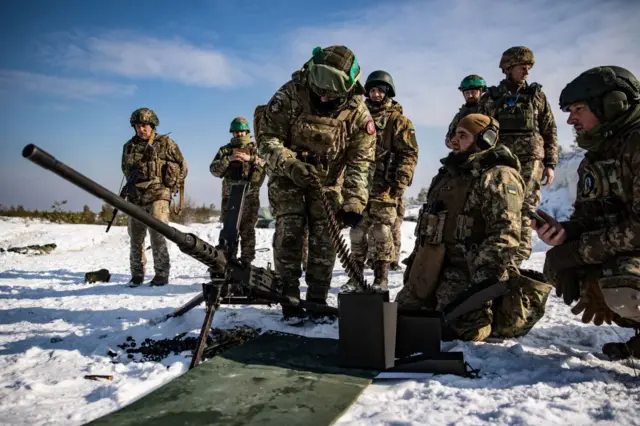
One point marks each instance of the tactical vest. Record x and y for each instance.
(239, 170)
(320, 140)
(385, 163)
(516, 112)
(144, 160)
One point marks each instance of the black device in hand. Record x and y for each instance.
(539, 219)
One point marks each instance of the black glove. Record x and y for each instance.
(351, 219)
(568, 286)
(302, 174)
(564, 256)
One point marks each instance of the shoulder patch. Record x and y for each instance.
(511, 189)
(370, 127)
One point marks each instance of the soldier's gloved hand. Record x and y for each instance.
(302, 174)
(564, 256)
(568, 286)
(350, 219)
(593, 304)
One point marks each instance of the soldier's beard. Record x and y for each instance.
(328, 106)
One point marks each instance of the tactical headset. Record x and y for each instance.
(488, 137)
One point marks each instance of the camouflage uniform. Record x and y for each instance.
(467, 234)
(470, 82)
(160, 171)
(396, 159)
(336, 138)
(396, 231)
(257, 117)
(238, 172)
(527, 128)
(599, 263)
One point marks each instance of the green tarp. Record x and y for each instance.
(275, 379)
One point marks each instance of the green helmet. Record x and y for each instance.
(516, 55)
(144, 116)
(333, 70)
(378, 77)
(472, 81)
(239, 124)
(607, 90)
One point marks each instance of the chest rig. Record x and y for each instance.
(240, 170)
(316, 139)
(516, 112)
(141, 159)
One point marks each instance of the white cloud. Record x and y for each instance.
(66, 87)
(136, 55)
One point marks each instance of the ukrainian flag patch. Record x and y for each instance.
(511, 189)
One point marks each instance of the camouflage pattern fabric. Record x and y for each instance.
(529, 130)
(232, 172)
(396, 230)
(464, 110)
(138, 232)
(161, 168)
(343, 140)
(388, 180)
(481, 241)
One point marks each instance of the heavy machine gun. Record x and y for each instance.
(372, 332)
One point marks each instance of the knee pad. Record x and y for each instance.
(381, 232)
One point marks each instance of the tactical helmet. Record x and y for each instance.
(238, 124)
(378, 77)
(607, 90)
(472, 81)
(333, 70)
(144, 116)
(515, 56)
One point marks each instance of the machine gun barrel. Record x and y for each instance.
(189, 244)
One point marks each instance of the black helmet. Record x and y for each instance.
(378, 77)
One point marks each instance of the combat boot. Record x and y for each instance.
(620, 350)
(159, 280)
(380, 276)
(351, 285)
(394, 266)
(136, 280)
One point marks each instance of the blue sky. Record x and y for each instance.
(72, 72)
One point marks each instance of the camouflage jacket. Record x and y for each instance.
(474, 207)
(252, 171)
(343, 141)
(464, 110)
(158, 170)
(606, 216)
(527, 125)
(396, 151)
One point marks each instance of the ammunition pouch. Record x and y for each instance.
(430, 228)
(312, 133)
(319, 161)
(171, 175)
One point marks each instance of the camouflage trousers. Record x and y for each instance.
(396, 230)
(531, 172)
(137, 234)
(298, 208)
(247, 226)
(378, 218)
(511, 315)
(305, 237)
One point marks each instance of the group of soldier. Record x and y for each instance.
(317, 137)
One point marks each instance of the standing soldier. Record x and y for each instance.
(238, 163)
(472, 88)
(316, 128)
(159, 170)
(395, 162)
(596, 258)
(396, 231)
(527, 128)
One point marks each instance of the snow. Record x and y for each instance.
(54, 329)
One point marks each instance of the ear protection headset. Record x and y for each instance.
(488, 137)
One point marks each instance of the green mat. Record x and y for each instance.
(275, 379)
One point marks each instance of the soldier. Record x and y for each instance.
(472, 87)
(468, 235)
(238, 162)
(160, 171)
(316, 127)
(596, 255)
(395, 162)
(527, 128)
(396, 231)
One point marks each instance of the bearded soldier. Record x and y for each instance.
(467, 236)
(238, 162)
(596, 258)
(395, 162)
(527, 128)
(472, 87)
(158, 169)
(316, 128)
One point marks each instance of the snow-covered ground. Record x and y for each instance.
(54, 329)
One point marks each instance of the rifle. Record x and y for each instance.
(130, 185)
